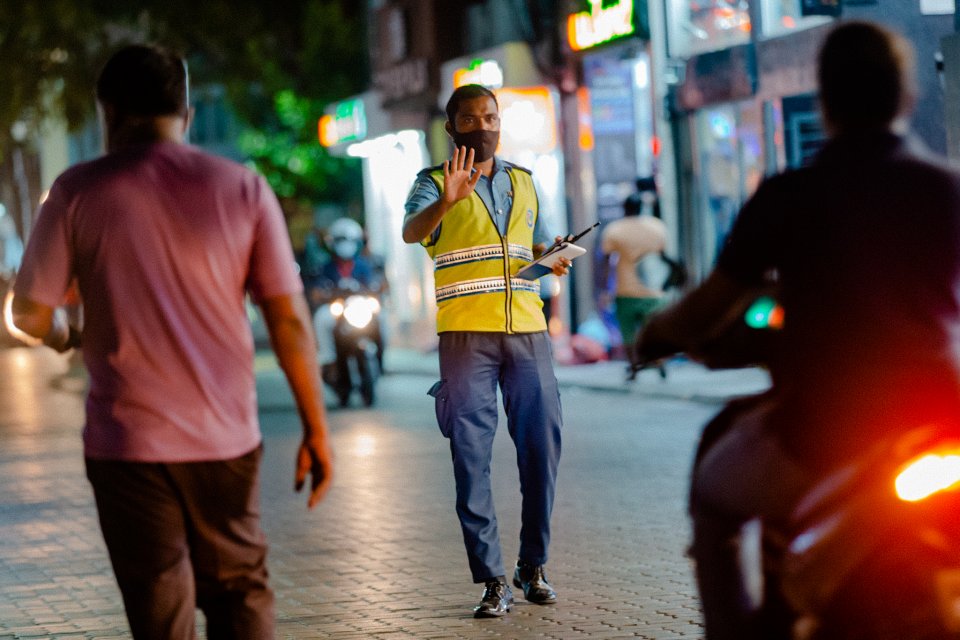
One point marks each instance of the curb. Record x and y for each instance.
(688, 383)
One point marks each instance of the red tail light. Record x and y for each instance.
(927, 475)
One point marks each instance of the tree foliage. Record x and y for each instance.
(280, 62)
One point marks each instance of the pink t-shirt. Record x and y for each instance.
(165, 241)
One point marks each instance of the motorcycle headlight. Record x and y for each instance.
(927, 475)
(359, 310)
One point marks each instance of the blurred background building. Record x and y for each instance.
(709, 96)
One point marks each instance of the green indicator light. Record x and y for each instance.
(763, 314)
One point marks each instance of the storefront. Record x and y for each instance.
(618, 125)
(745, 101)
(743, 108)
(391, 158)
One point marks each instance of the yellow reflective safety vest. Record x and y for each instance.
(473, 264)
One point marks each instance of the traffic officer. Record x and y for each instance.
(478, 218)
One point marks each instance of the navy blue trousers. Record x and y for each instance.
(472, 366)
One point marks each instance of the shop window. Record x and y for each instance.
(731, 165)
(775, 156)
(784, 16)
(698, 26)
(802, 129)
(937, 7)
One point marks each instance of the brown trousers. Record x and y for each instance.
(185, 536)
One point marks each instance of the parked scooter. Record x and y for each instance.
(872, 551)
(351, 320)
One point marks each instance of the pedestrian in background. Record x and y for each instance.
(478, 217)
(165, 242)
(625, 243)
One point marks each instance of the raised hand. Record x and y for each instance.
(459, 178)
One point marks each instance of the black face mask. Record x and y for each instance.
(483, 142)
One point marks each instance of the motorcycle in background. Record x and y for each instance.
(350, 341)
(872, 551)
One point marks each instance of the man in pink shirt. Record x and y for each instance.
(165, 242)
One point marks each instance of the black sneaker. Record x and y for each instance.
(496, 601)
(534, 583)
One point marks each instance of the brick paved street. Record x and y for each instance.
(382, 556)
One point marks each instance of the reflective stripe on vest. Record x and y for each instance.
(487, 252)
(473, 264)
(484, 285)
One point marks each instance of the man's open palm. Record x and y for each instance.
(458, 183)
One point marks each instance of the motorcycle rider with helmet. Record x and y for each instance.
(344, 239)
(347, 268)
(864, 249)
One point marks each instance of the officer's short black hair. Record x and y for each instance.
(144, 80)
(866, 76)
(466, 92)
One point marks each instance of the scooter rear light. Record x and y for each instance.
(927, 475)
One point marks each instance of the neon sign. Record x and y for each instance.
(527, 120)
(347, 122)
(600, 24)
(487, 73)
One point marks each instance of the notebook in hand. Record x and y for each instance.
(545, 263)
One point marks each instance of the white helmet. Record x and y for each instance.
(345, 237)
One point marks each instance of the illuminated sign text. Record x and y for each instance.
(347, 122)
(487, 73)
(601, 24)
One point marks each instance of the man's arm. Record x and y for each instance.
(419, 225)
(288, 323)
(695, 319)
(45, 323)
(458, 183)
(752, 249)
(562, 266)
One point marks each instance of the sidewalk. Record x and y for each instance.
(685, 380)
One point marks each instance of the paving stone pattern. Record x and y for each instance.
(382, 557)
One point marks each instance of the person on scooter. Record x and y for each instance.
(344, 240)
(865, 248)
(346, 268)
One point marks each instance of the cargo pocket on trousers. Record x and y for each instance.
(441, 406)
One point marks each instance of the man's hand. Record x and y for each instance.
(459, 181)
(562, 267)
(288, 322)
(459, 178)
(316, 459)
(47, 324)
